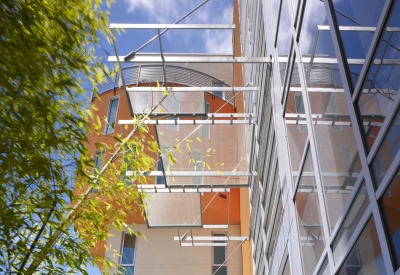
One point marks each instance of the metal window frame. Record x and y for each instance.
(124, 233)
(107, 124)
(358, 131)
(226, 251)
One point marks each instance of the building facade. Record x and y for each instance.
(193, 221)
(327, 138)
(311, 145)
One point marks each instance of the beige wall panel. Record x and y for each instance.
(160, 254)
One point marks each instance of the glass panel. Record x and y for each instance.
(218, 93)
(324, 270)
(391, 208)
(387, 151)
(275, 11)
(224, 140)
(382, 83)
(128, 251)
(366, 255)
(314, 42)
(98, 161)
(352, 219)
(160, 162)
(296, 121)
(284, 33)
(178, 102)
(112, 116)
(336, 147)
(173, 209)
(312, 240)
(219, 252)
(297, 141)
(222, 271)
(357, 13)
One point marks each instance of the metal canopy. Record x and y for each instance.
(160, 188)
(173, 210)
(210, 155)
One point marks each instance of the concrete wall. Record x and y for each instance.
(160, 254)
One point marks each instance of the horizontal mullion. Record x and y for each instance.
(184, 58)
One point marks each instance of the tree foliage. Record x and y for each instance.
(47, 59)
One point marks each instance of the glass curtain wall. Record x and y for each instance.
(339, 83)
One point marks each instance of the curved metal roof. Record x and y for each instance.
(175, 74)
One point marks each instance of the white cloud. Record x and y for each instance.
(220, 41)
(159, 11)
(169, 11)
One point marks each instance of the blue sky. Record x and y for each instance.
(168, 12)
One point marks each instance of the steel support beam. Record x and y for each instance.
(194, 58)
(194, 89)
(173, 26)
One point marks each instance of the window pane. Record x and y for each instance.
(382, 83)
(387, 150)
(219, 257)
(222, 271)
(313, 41)
(352, 219)
(218, 93)
(98, 161)
(128, 251)
(391, 208)
(366, 255)
(284, 36)
(219, 254)
(312, 240)
(337, 149)
(357, 13)
(295, 122)
(324, 270)
(112, 115)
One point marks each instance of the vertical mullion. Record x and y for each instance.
(358, 132)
